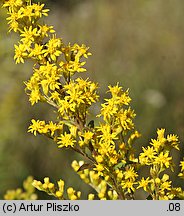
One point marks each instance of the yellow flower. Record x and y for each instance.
(52, 50)
(52, 127)
(11, 4)
(99, 168)
(108, 137)
(115, 90)
(91, 196)
(160, 133)
(80, 51)
(72, 67)
(143, 183)
(31, 11)
(72, 194)
(78, 97)
(113, 108)
(37, 52)
(182, 165)
(119, 95)
(59, 194)
(74, 94)
(165, 186)
(63, 107)
(34, 96)
(113, 158)
(128, 185)
(75, 52)
(37, 126)
(13, 21)
(148, 155)
(173, 141)
(55, 96)
(86, 137)
(130, 173)
(108, 109)
(156, 144)
(73, 55)
(20, 53)
(48, 77)
(165, 177)
(61, 184)
(66, 140)
(26, 12)
(175, 192)
(163, 159)
(28, 34)
(160, 142)
(43, 30)
(99, 159)
(125, 118)
(39, 11)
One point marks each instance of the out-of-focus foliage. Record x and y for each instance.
(65, 4)
(138, 43)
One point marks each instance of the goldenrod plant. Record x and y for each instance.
(110, 166)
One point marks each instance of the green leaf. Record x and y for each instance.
(119, 165)
(85, 166)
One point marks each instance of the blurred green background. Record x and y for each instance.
(139, 44)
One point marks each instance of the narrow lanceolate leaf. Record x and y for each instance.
(85, 166)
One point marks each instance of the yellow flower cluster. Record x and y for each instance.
(53, 59)
(27, 193)
(93, 179)
(50, 129)
(158, 158)
(56, 191)
(107, 144)
(160, 188)
(113, 111)
(158, 153)
(79, 95)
